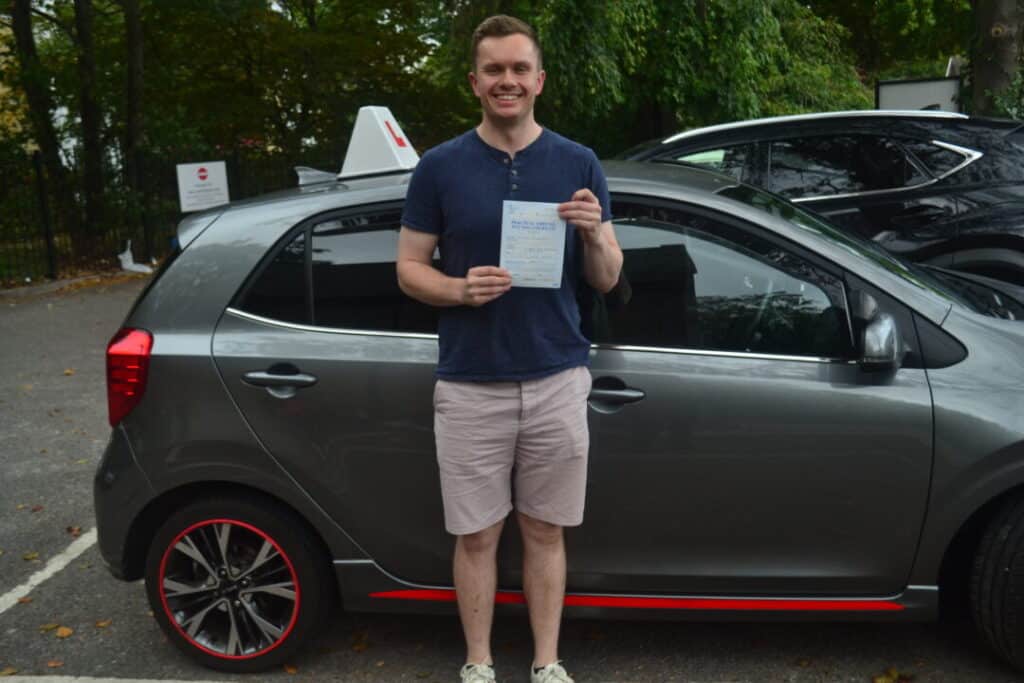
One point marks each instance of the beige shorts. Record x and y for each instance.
(496, 438)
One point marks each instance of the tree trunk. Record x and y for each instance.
(134, 120)
(994, 62)
(92, 148)
(40, 105)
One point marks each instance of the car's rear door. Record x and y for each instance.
(333, 367)
(735, 447)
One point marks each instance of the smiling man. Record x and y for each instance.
(510, 417)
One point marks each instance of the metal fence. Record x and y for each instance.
(34, 245)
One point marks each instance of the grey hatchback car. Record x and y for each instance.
(786, 421)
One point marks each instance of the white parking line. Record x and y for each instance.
(54, 565)
(90, 679)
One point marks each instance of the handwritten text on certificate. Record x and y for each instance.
(532, 243)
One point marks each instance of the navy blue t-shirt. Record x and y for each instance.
(456, 192)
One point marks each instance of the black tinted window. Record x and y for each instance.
(693, 282)
(355, 284)
(279, 291)
(937, 160)
(823, 166)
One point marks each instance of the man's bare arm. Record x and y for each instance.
(418, 277)
(602, 256)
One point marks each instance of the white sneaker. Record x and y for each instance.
(477, 673)
(552, 673)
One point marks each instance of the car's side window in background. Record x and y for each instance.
(698, 283)
(733, 161)
(830, 165)
(355, 284)
(279, 291)
(936, 159)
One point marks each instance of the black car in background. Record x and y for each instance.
(936, 187)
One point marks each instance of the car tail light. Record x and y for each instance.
(127, 368)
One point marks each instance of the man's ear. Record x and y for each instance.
(540, 81)
(472, 82)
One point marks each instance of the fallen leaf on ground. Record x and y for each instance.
(74, 530)
(28, 557)
(25, 600)
(20, 506)
(804, 663)
(69, 371)
(37, 508)
(380, 662)
(8, 671)
(291, 668)
(48, 627)
(82, 461)
(64, 632)
(1, 552)
(54, 663)
(892, 675)
(26, 387)
(361, 641)
(423, 674)
(42, 450)
(104, 623)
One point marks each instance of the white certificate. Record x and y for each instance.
(532, 243)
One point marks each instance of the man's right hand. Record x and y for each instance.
(485, 283)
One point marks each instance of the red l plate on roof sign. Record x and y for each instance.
(399, 141)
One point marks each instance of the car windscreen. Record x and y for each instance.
(777, 206)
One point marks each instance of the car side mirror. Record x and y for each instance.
(883, 348)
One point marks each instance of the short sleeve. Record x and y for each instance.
(599, 186)
(422, 202)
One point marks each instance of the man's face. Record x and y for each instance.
(507, 78)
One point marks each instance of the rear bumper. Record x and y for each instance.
(120, 492)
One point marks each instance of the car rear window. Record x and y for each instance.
(339, 272)
(824, 166)
(937, 160)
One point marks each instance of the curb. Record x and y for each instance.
(17, 293)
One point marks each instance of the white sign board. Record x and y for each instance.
(931, 93)
(201, 186)
(377, 145)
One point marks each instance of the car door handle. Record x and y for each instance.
(263, 378)
(616, 396)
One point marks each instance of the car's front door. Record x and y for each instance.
(759, 459)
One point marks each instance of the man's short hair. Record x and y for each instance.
(499, 26)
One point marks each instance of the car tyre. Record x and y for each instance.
(997, 584)
(238, 584)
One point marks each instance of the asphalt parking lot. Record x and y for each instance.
(63, 617)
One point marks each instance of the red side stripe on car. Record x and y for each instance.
(736, 604)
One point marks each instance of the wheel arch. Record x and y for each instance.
(955, 567)
(146, 523)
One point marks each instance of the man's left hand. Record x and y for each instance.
(584, 212)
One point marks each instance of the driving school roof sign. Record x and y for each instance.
(202, 185)
(377, 145)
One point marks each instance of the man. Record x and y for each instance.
(510, 401)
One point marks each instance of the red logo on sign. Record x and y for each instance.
(202, 173)
(398, 140)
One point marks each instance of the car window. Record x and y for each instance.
(352, 284)
(355, 284)
(936, 159)
(830, 165)
(696, 283)
(733, 161)
(279, 291)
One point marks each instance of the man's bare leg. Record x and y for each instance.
(544, 584)
(476, 578)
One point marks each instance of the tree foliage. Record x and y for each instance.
(269, 84)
